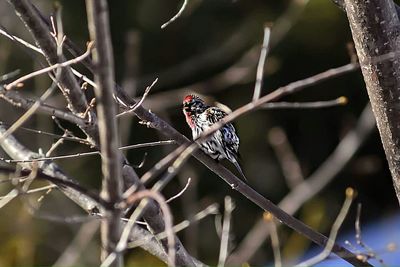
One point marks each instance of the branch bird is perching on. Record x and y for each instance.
(186, 149)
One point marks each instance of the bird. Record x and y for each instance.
(224, 143)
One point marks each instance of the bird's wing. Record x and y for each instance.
(228, 131)
(214, 114)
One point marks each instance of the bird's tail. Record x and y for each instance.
(239, 168)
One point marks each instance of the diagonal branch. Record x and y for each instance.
(153, 217)
(89, 202)
(311, 186)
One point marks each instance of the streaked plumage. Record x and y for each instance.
(224, 143)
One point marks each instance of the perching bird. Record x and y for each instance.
(224, 143)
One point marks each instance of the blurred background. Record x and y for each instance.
(211, 50)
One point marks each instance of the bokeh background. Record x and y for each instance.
(211, 50)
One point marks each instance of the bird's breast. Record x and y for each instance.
(189, 119)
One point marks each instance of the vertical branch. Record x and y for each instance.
(375, 28)
(270, 220)
(98, 23)
(223, 251)
(261, 63)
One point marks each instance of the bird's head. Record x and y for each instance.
(193, 104)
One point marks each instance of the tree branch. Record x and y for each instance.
(69, 86)
(311, 186)
(99, 30)
(90, 202)
(15, 98)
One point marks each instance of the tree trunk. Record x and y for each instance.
(376, 32)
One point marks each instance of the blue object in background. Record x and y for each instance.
(376, 235)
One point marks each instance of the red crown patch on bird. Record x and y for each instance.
(190, 98)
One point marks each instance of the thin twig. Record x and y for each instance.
(261, 63)
(138, 104)
(55, 145)
(19, 101)
(83, 154)
(180, 157)
(156, 170)
(181, 192)
(223, 250)
(212, 209)
(177, 14)
(269, 218)
(122, 243)
(29, 112)
(50, 68)
(28, 45)
(68, 138)
(35, 190)
(370, 252)
(14, 38)
(334, 231)
(340, 101)
(7, 198)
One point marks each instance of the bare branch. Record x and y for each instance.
(68, 138)
(223, 250)
(152, 216)
(143, 195)
(35, 190)
(261, 63)
(212, 209)
(340, 101)
(7, 198)
(334, 231)
(177, 15)
(269, 218)
(89, 201)
(17, 100)
(136, 105)
(97, 11)
(84, 154)
(235, 182)
(67, 82)
(180, 193)
(155, 221)
(50, 68)
(28, 113)
(311, 186)
(32, 47)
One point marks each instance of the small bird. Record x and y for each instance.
(224, 143)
